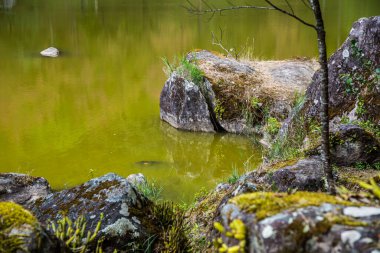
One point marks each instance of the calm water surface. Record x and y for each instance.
(95, 109)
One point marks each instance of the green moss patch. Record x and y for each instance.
(266, 204)
(12, 214)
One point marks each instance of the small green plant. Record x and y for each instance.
(200, 194)
(369, 126)
(191, 71)
(150, 190)
(219, 109)
(234, 177)
(299, 100)
(173, 228)
(272, 126)
(367, 76)
(360, 109)
(255, 103)
(168, 67)
(238, 231)
(72, 233)
(345, 120)
(364, 166)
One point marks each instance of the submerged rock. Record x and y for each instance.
(234, 96)
(50, 52)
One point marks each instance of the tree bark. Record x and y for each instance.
(324, 114)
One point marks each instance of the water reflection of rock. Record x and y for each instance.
(8, 4)
(206, 154)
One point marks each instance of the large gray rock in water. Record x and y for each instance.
(183, 105)
(125, 210)
(234, 96)
(23, 189)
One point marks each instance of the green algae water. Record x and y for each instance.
(95, 109)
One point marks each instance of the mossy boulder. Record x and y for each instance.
(300, 222)
(125, 223)
(352, 76)
(354, 99)
(22, 189)
(20, 231)
(237, 95)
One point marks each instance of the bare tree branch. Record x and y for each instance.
(195, 10)
(290, 7)
(307, 4)
(291, 15)
(211, 9)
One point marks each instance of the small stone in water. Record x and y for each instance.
(50, 52)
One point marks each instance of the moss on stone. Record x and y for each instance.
(266, 204)
(12, 214)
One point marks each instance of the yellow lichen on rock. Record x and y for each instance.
(265, 204)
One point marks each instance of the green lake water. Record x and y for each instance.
(95, 109)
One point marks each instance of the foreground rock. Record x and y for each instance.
(300, 222)
(233, 96)
(125, 224)
(21, 232)
(23, 189)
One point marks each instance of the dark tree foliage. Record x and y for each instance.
(318, 26)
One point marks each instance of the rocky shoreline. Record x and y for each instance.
(279, 207)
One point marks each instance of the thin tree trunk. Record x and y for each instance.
(324, 114)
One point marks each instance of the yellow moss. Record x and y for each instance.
(266, 204)
(12, 214)
(281, 164)
(344, 220)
